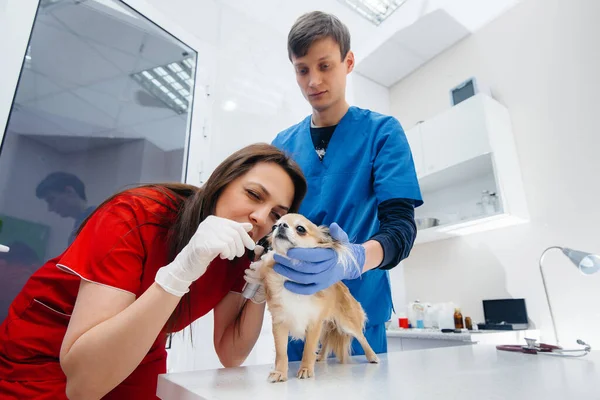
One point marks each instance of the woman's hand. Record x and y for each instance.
(214, 237)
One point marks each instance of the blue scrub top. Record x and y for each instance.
(368, 161)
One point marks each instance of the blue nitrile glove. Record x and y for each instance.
(312, 270)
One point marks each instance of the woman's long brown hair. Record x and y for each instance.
(192, 205)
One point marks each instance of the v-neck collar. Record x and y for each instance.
(334, 142)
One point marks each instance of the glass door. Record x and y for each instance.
(103, 102)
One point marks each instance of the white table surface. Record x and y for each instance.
(467, 372)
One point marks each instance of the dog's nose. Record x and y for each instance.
(283, 225)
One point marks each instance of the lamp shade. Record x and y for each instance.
(586, 262)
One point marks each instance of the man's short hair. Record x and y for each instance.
(58, 182)
(314, 26)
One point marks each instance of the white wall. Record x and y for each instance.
(541, 60)
(255, 73)
(364, 93)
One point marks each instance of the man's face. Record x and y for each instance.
(63, 203)
(321, 73)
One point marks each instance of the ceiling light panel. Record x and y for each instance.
(171, 83)
(376, 11)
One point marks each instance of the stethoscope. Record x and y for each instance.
(533, 347)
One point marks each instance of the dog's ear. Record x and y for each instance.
(325, 235)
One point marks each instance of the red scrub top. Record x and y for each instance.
(120, 246)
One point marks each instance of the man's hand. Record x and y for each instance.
(312, 270)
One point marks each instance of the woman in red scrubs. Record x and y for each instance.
(92, 323)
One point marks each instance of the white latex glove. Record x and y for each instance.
(214, 237)
(252, 276)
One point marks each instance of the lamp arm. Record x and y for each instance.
(546, 289)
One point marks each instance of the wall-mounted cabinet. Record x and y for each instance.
(468, 170)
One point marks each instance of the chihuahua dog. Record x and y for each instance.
(332, 316)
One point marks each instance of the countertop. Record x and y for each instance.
(465, 372)
(465, 336)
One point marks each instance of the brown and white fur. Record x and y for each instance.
(331, 316)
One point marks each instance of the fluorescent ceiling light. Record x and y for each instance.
(171, 83)
(375, 11)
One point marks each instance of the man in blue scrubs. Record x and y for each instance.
(361, 179)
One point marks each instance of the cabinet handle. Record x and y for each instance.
(4, 249)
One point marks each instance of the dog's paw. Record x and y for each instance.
(305, 372)
(277, 376)
(321, 356)
(372, 358)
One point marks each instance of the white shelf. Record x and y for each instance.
(465, 171)
(467, 227)
(460, 153)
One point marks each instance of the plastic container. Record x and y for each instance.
(416, 311)
(445, 316)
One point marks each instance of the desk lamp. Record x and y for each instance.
(587, 263)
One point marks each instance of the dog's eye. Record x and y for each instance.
(300, 229)
(273, 228)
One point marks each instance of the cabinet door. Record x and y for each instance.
(415, 142)
(454, 136)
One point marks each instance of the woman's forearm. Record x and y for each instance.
(102, 357)
(241, 333)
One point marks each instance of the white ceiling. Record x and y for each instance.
(428, 28)
(411, 47)
(78, 81)
(411, 36)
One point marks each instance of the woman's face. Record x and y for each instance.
(261, 197)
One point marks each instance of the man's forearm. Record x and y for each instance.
(397, 232)
(373, 255)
